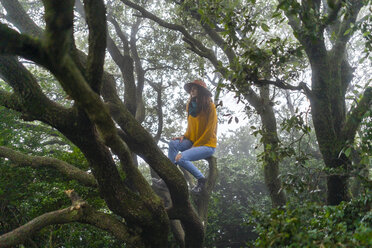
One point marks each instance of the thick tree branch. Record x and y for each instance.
(139, 207)
(79, 211)
(114, 52)
(354, 118)
(95, 12)
(66, 169)
(283, 85)
(142, 143)
(74, 83)
(18, 17)
(59, 28)
(10, 101)
(14, 43)
(34, 103)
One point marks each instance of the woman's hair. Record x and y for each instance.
(203, 102)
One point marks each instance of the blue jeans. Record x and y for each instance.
(189, 154)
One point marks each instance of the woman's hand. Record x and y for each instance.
(178, 157)
(180, 138)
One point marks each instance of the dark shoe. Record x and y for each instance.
(200, 186)
(159, 183)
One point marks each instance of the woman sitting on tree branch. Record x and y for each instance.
(200, 140)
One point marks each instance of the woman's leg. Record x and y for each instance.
(193, 154)
(175, 146)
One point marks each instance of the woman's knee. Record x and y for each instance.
(173, 143)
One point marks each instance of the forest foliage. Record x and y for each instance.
(92, 91)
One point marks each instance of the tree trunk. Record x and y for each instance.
(328, 112)
(271, 144)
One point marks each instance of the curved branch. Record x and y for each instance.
(10, 100)
(34, 104)
(120, 33)
(14, 43)
(283, 85)
(79, 211)
(66, 169)
(355, 117)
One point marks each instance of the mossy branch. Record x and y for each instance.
(79, 211)
(64, 168)
(96, 19)
(14, 43)
(59, 27)
(28, 97)
(10, 100)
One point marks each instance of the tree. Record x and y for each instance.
(231, 26)
(331, 76)
(138, 217)
(229, 67)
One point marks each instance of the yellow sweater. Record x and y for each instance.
(202, 129)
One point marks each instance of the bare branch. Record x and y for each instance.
(125, 64)
(66, 169)
(159, 110)
(283, 85)
(123, 37)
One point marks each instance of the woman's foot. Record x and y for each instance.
(200, 186)
(159, 183)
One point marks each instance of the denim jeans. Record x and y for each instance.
(189, 154)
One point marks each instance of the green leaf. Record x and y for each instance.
(365, 160)
(347, 152)
(348, 31)
(265, 27)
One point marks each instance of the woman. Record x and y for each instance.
(200, 139)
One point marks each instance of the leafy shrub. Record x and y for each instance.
(312, 225)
